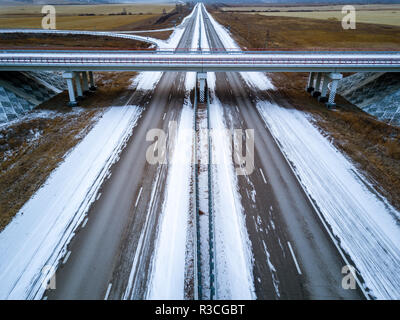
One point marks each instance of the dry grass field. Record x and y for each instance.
(26, 40)
(83, 17)
(378, 14)
(302, 33)
(373, 145)
(378, 17)
(98, 23)
(89, 9)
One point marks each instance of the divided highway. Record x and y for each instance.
(110, 256)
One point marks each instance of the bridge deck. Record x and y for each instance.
(201, 61)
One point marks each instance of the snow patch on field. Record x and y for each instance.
(366, 225)
(168, 271)
(38, 235)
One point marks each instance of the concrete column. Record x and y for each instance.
(335, 80)
(69, 76)
(202, 77)
(92, 85)
(310, 83)
(78, 86)
(316, 93)
(85, 81)
(324, 89)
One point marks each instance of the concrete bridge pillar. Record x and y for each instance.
(335, 77)
(78, 86)
(310, 83)
(69, 76)
(85, 82)
(316, 93)
(202, 77)
(324, 88)
(92, 85)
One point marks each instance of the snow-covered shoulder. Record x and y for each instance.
(366, 224)
(35, 240)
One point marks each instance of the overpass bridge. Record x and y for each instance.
(324, 67)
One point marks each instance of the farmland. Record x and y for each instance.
(376, 14)
(84, 17)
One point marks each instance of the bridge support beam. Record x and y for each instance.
(91, 79)
(85, 83)
(335, 77)
(69, 76)
(316, 93)
(310, 83)
(78, 86)
(202, 78)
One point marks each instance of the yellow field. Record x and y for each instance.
(314, 8)
(85, 9)
(73, 16)
(75, 22)
(375, 17)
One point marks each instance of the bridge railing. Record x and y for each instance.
(199, 60)
(258, 51)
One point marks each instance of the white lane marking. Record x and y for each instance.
(84, 222)
(164, 116)
(98, 196)
(108, 291)
(137, 200)
(262, 173)
(45, 298)
(66, 257)
(294, 257)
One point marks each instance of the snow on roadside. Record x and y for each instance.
(203, 36)
(167, 280)
(234, 259)
(366, 224)
(38, 235)
(257, 80)
(146, 80)
(168, 267)
(176, 36)
(233, 253)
